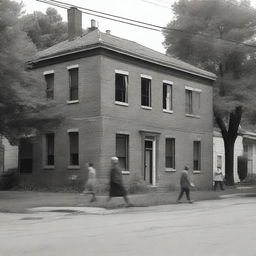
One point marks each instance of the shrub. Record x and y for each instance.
(242, 167)
(137, 185)
(8, 179)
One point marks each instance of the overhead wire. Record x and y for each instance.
(139, 24)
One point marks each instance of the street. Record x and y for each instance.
(221, 227)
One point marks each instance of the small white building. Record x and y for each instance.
(219, 153)
(10, 155)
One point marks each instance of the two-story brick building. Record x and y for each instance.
(120, 98)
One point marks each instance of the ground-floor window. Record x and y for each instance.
(25, 156)
(122, 149)
(170, 153)
(74, 148)
(197, 156)
(49, 149)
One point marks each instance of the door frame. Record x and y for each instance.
(153, 139)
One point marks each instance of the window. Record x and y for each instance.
(73, 84)
(192, 101)
(74, 148)
(50, 149)
(121, 87)
(49, 78)
(170, 153)
(197, 156)
(167, 96)
(25, 156)
(122, 146)
(145, 92)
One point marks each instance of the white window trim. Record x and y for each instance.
(123, 133)
(73, 66)
(48, 72)
(122, 72)
(146, 76)
(196, 172)
(167, 82)
(74, 167)
(73, 130)
(122, 103)
(125, 172)
(49, 167)
(193, 116)
(193, 89)
(170, 170)
(72, 101)
(168, 111)
(146, 107)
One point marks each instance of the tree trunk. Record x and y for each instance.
(229, 137)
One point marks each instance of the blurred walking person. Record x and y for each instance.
(218, 179)
(117, 188)
(90, 186)
(185, 185)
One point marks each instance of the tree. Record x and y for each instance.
(22, 110)
(44, 30)
(204, 33)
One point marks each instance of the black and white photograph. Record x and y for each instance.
(127, 128)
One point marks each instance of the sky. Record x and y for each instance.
(157, 12)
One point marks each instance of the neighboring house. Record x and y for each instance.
(219, 153)
(120, 98)
(10, 155)
(245, 145)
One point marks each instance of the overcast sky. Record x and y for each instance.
(156, 12)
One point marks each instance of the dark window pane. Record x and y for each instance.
(25, 156)
(189, 109)
(164, 95)
(170, 153)
(73, 84)
(145, 92)
(49, 78)
(50, 148)
(122, 142)
(197, 155)
(121, 85)
(74, 148)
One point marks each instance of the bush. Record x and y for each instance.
(8, 179)
(137, 185)
(242, 167)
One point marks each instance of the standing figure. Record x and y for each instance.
(185, 185)
(218, 179)
(117, 188)
(90, 186)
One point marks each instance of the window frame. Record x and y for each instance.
(148, 91)
(165, 99)
(71, 162)
(72, 87)
(47, 162)
(125, 75)
(49, 91)
(199, 156)
(171, 168)
(126, 170)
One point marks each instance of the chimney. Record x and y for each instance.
(93, 24)
(108, 31)
(74, 23)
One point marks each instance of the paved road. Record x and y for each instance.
(223, 227)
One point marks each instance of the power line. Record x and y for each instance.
(157, 4)
(139, 24)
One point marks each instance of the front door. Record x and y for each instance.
(149, 161)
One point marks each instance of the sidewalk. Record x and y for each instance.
(21, 201)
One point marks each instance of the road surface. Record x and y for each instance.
(223, 227)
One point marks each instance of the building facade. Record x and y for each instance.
(121, 99)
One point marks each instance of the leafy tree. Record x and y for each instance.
(22, 110)
(204, 33)
(44, 30)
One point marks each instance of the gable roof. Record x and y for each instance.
(96, 38)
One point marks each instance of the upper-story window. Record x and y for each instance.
(121, 86)
(167, 96)
(73, 82)
(49, 79)
(192, 100)
(145, 91)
